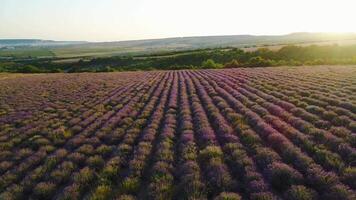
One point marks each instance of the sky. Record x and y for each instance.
(117, 20)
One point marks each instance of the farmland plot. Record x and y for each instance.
(258, 133)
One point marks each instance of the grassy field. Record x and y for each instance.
(115, 49)
(27, 52)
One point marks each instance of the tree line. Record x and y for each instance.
(196, 59)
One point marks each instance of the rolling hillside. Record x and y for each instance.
(10, 48)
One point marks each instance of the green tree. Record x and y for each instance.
(210, 64)
(259, 62)
(28, 69)
(232, 64)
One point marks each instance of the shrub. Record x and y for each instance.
(44, 190)
(352, 126)
(4, 166)
(101, 192)
(262, 196)
(349, 176)
(218, 176)
(257, 186)
(232, 64)
(210, 64)
(340, 131)
(299, 192)
(130, 185)
(265, 156)
(77, 158)
(104, 150)
(342, 121)
(161, 188)
(191, 188)
(84, 176)
(28, 69)
(189, 168)
(328, 159)
(338, 192)
(124, 149)
(187, 137)
(314, 109)
(86, 149)
(282, 176)
(250, 138)
(258, 62)
(71, 192)
(352, 139)
(125, 197)
(105, 69)
(95, 162)
(320, 179)
(15, 191)
(64, 171)
(211, 152)
(109, 173)
(227, 196)
(76, 129)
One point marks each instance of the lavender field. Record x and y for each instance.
(249, 133)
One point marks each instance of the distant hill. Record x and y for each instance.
(65, 49)
(194, 42)
(223, 41)
(34, 43)
(233, 40)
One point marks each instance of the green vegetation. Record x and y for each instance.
(192, 59)
(26, 53)
(210, 64)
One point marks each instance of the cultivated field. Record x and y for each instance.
(258, 133)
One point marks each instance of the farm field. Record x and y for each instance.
(247, 133)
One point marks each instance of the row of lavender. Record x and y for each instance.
(212, 134)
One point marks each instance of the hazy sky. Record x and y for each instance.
(110, 20)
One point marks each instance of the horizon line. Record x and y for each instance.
(177, 37)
